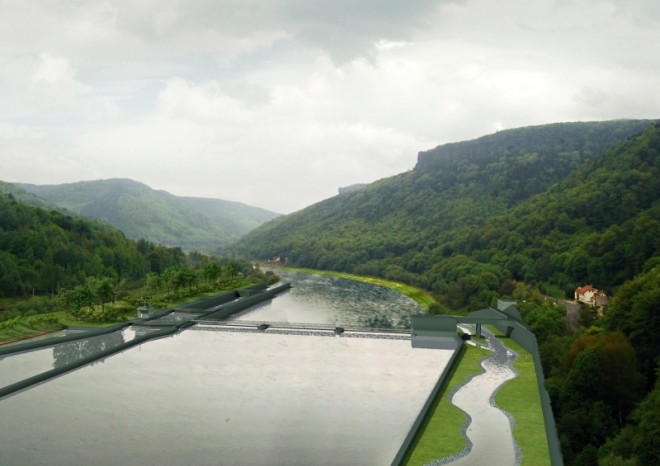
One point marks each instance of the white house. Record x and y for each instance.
(591, 296)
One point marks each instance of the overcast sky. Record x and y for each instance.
(277, 103)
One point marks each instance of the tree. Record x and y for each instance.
(152, 284)
(82, 296)
(634, 310)
(625, 384)
(210, 272)
(175, 277)
(105, 292)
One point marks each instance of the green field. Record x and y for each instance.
(441, 435)
(520, 397)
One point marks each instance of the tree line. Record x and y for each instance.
(81, 265)
(602, 377)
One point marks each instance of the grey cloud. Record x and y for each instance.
(348, 29)
(345, 29)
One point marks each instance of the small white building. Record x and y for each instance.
(589, 295)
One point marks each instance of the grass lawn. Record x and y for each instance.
(67, 319)
(418, 295)
(521, 398)
(441, 434)
(440, 437)
(24, 330)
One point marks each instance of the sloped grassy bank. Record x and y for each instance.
(22, 328)
(441, 435)
(520, 398)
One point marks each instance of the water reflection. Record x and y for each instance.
(335, 301)
(67, 353)
(20, 366)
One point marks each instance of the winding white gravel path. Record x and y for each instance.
(489, 431)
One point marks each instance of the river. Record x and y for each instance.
(321, 299)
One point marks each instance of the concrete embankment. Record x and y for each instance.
(212, 307)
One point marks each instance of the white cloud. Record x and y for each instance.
(13, 132)
(279, 103)
(206, 102)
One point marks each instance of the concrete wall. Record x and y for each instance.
(168, 329)
(438, 391)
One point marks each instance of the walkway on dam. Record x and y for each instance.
(489, 432)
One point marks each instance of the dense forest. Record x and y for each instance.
(523, 213)
(61, 262)
(192, 223)
(42, 251)
(460, 224)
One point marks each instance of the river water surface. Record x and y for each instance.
(320, 299)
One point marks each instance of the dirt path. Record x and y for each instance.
(572, 314)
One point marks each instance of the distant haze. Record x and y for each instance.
(278, 103)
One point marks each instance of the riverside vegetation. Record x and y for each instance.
(85, 273)
(528, 214)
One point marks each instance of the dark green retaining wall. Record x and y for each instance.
(209, 302)
(244, 303)
(29, 346)
(527, 340)
(168, 329)
(406, 447)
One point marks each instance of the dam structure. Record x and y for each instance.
(214, 382)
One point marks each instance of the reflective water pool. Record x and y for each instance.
(204, 397)
(16, 367)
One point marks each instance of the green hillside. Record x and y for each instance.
(42, 252)
(407, 227)
(157, 216)
(26, 197)
(599, 225)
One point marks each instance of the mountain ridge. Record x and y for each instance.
(193, 223)
(403, 227)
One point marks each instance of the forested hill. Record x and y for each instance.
(42, 252)
(521, 214)
(418, 226)
(513, 164)
(599, 225)
(192, 223)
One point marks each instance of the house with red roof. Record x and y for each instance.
(589, 295)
